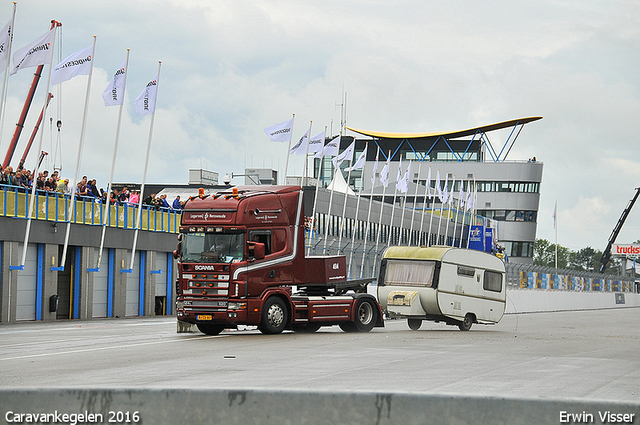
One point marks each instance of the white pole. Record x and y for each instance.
(455, 223)
(3, 97)
(353, 233)
(306, 159)
(384, 191)
(427, 192)
(286, 165)
(449, 199)
(555, 225)
(346, 199)
(79, 158)
(144, 177)
(366, 234)
(473, 209)
(35, 171)
(404, 208)
(413, 211)
(315, 198)
(328, 217)
(107, 203)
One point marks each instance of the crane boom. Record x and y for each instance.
(606, 255)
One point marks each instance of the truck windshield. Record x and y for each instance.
(212, 247)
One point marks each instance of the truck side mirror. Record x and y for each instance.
(258, 250)
(176, 253)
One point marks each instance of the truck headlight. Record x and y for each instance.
(179, 305)
(237, 305)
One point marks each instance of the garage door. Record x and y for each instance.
(100, 285)
(133, 289)
(27, 282)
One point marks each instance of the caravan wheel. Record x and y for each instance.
(465, 325)
(414, 324)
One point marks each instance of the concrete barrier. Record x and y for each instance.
(297, 408)
(540, 300)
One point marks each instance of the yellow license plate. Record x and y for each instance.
(204, 317)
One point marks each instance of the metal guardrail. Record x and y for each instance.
(52, 206)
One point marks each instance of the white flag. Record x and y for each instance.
(384, 174)
(300, 147)
(403, 185)
(468, 200)
(438, 188)
(399, 177)
(316, 143)
(346, 155)
(281, 132)
(461, 197)
(555, 211)
(145, 103)
(359, 162)
(78, 63)
(5, 38)
(37, 53)
(453, 185)
(114, 93)
(445, 190)
(429, 193)
(375, 168)
(330, 149)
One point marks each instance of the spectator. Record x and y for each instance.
(177, 205)
(134, 198)
(81, 189)
(124, 195)
(163, 202)
(50, 184)
(62, 187)
(93, 190)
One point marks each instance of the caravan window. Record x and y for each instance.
(492, 281)
(466, 271)
(409, 273)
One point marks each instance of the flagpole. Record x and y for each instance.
(353, 233)
(35, 171)
(393, 205)
(455, 223)
(441, 210)
(328, 217)
(404, 207)
(384, 191)
(449, 199)
(427, 192)
(555, 225)
(346, 198)
(366, 234)
(415, 199)
(3, 97)
(473, 209)
(286, 165)
(144, 177)
(315, 198)
(78, 159)
(107, 203)
(306, 153)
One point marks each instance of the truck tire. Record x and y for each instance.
(414, 324)
(366, 315)
(348, 327)
(209, 329)
(274, 316)
(465, 325)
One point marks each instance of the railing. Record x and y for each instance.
(52, 206)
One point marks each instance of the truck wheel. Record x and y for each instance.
(414, 324)
(209, 329)
(274, 316)
(465, 325)
(365, 318)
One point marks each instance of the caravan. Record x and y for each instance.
(440, 283)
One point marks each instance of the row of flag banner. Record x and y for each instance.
(283, 131)
(40, 51)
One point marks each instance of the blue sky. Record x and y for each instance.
(232, 68)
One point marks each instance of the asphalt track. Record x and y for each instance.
(590, 355)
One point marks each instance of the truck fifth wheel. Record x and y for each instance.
(240, 255)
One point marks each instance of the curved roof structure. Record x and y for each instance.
(447, 134)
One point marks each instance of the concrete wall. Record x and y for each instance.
(299, 407)
(534, 300)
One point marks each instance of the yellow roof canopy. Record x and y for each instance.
(448, 134)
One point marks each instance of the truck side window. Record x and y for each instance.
(262, 236)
